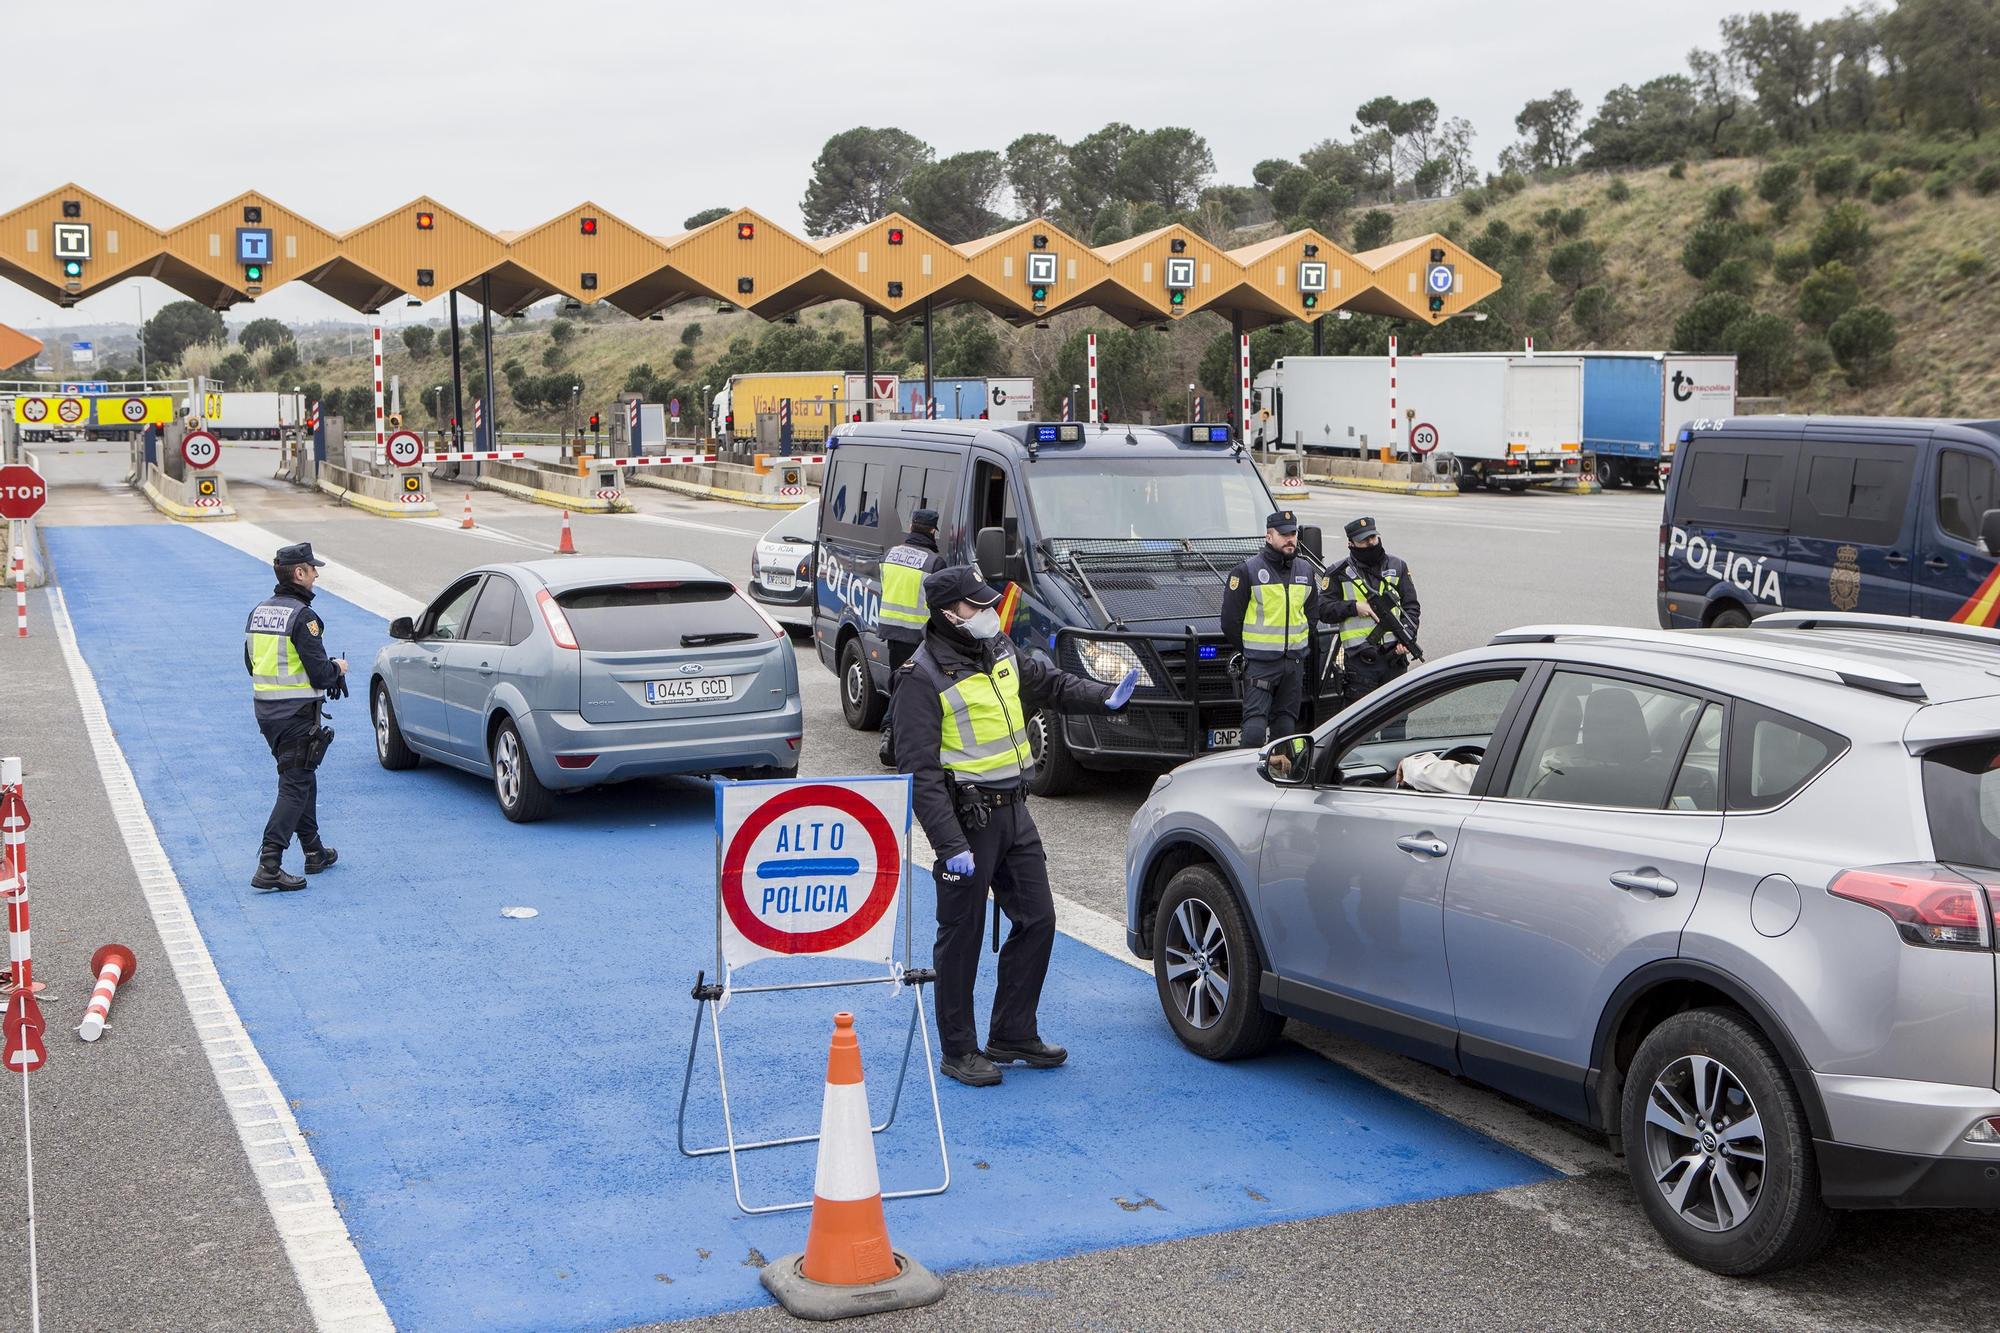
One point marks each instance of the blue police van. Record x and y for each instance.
(1892, 516)
(1109, 543)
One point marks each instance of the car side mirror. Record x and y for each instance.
(1989, 531)
(402, 627)
(1309, 542)
(1287, 762)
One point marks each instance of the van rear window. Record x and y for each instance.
(1962, 797)
(636, 617)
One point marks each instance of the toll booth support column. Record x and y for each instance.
(1319, 337)
(930, 361)
(867, 364)
(457, 384)
(486, 389)
(1235, 342)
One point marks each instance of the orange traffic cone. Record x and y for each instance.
(466, 522)
(849, 1267)
(567, 546)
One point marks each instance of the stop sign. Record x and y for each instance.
(22, 491)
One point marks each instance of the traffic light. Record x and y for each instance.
(253, 272)
(1040, 294)
(746, 231)
(1311, 300)
(426, 221)
(72, 268)
(895, 235)
(588, 226)
(1177, 297)
(593, 421)
(1437, 304)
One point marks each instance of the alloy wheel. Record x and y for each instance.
(381, 722)
(1705, 1143)
(1197, 963)
(507, 768)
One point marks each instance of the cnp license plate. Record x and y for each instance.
(781, 582)
(1224, 738)
(692, 689)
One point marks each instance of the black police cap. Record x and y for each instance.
(1361, 529)
(924, 520)
(957, 583)
(299, 554)
(1284, 520)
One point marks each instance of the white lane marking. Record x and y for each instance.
(337, 1287)
(347, 584)
(663, 521)
(491, 534)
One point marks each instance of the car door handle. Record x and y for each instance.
(485, 668)
(436, 663)
(1896, 558)
(1423, 845)
(1938, 563)
(1645, 881)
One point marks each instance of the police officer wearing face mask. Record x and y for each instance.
(1371, 653)
(1269, 603)
(284, 650)
(961, 732)
(901, 620)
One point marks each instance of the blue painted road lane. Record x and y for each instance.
(492, 1101)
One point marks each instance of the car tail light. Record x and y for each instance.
(793, 741)
(557, 622)
(802, 567)
(1663, 554)
(575, 760)
(1931, 904)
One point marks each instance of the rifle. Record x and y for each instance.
(1389, 620)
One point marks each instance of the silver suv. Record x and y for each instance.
(1726, 895)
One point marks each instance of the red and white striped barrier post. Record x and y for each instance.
(1531, 345)
(14, 877)
(1090, 375)
(20, 585)
(111, 964)
(1065, 411)
(1243, 406)
(1395, 420)
(478, 420)
(381, 426)
(312, 417)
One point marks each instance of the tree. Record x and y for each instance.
(1778, 55)
(1575, 264)
(1834, 176)
(702, 219)
(264, 332)
(1131, 366)
(1842, 234)
(1169, 167)
(1325, 207)
(178, 326)
(1037, 173)
(1831, 291)
(860, 175)
(1374, 229)
(1218, 371)
(1861, 340)
(1548, 126)
(954, 196)
(1594, 311)
(1092, 182)
(1949, 54)
(1763, 348)
(1709, 243)
(1702, 326)
(1734, 274)
(419, 339)
(1642, 126)
(690, 334)
(1778, 186)
(1266, 173)
(561, 331)
(282, 357)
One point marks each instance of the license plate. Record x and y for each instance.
(1224, 738)
(693, 689)
(781, 582)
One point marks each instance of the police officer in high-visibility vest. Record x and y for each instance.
(284, 651)
(962, 734)
(901, 619)
(1371, 654)
(1269, 603)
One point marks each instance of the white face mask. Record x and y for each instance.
(985, 624)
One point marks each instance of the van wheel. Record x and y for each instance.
(1207, 970)
(1730, 617)
(1718, 1147)
(859, 702)
(1056, 769)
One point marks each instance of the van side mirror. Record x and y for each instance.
(1309, 541)
(989, 552)
(1287, 762)
(402, 628)
(1989, 531)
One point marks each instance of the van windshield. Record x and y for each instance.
(1152, 499)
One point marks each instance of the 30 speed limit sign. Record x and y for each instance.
(405, 449)
(1423, 437)
(200, 449)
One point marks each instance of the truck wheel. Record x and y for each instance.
(1056, 769)
(860, 703)
(1206, 969)
(1610, 474)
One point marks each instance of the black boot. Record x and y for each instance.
(972, 1069)
(318, 859)
(1034, 1052)
(271, 877)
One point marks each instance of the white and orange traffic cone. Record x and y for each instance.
(466, 522)
(567, 546)
(111, 964)
(849, 1267)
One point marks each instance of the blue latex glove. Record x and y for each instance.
(962, 864)
(1123, 690)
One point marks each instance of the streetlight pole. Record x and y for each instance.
(1075, 403)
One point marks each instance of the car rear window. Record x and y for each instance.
(633, 617)
(1772, 755)
(1962, 796)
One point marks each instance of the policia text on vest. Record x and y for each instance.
(284, 650)
(961, 732)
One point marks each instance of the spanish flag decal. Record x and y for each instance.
(1983, 607)
(1011, 602)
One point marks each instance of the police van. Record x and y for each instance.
(1110, 545)
(1896, 516)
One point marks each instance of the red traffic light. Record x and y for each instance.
(746, 231)
(589, 226)
(426, 221)
(593, 421)
(895, 235)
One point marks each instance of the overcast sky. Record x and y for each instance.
(512, 111)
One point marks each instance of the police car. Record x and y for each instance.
(1110, 543)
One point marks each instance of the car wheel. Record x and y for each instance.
(1207, 969)
(1056, 769)
(391, 749)
(1718, 1147)
(523, 798)
(860, 703)
(1729, 618)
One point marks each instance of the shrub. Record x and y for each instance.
(1678, 171)
(1968, 263)
(1523, 244)
(1937, 185)
(1861, 341)
(1777, 180)
(1549, 219)
(1886, 187)
(1816, 357)
(1594, 312)
(1725, 201)
(1710, 243)
(1541, 313)
(1792, 262)
(1373, 229)
(1474, 201)
(1829, 293)
(1618, 191)
(1509, 184)
(1702, 325)
(1575, 263)
(1571, 222)
(1763, 347)
(1987, 179)
(1736, 274)
(1842, 234)
(1834, 175)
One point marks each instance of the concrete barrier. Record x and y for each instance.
(1365, 474)
(386, 497)
(736, 483)
(558, 486)
(183, 497)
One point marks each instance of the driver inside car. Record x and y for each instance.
(1434, 772)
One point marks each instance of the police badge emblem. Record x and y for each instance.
(1843, 584)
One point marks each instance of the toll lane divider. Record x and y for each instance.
(513, 1168)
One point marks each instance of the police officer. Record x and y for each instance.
(1371, 654)
(285, 654)
(961, 731)
(901, 619)
(1268, 609)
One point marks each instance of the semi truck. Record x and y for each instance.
(254, 416)
(819, 399)
(1493, 421)
(1635, 403)
(994, 398)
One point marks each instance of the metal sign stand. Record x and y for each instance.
(708, 1000)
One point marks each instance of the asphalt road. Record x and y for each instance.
(192, 1246)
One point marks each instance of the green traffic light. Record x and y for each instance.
(1041, 293)
(254, 272)
(1437, 304)
(1311, 300)
(73, 268)
(1178, 298)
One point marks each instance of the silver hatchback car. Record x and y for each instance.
(1727, 895)
(571, 673)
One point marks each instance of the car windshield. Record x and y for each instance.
(796, 528)
(632, 617)
(1150, 499)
